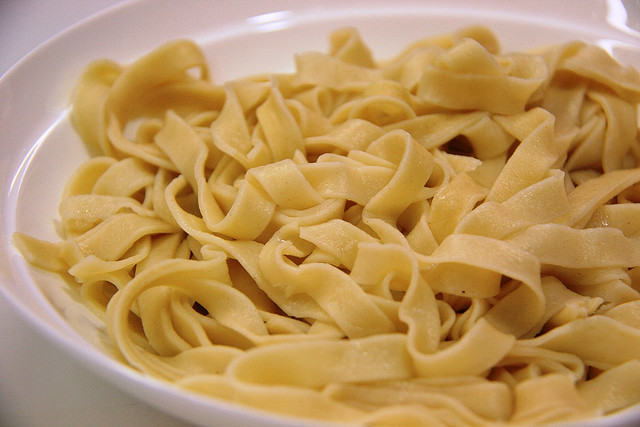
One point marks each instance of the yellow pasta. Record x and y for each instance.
(449, 237)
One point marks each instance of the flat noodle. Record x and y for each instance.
(449, 237)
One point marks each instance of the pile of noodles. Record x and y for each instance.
(447, 237)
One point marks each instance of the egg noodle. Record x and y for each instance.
(448, 237)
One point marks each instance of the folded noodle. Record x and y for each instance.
(448, 237)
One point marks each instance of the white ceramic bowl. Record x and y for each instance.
(40, 150)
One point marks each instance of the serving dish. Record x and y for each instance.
(44, 150)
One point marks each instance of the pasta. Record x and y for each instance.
(448, 237)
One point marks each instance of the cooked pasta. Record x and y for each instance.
(448, 237)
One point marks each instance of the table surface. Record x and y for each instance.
(41, 385)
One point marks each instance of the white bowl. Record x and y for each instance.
(40, 150)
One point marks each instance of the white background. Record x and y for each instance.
(39, 384)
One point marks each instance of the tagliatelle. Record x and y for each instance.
(449, 237)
